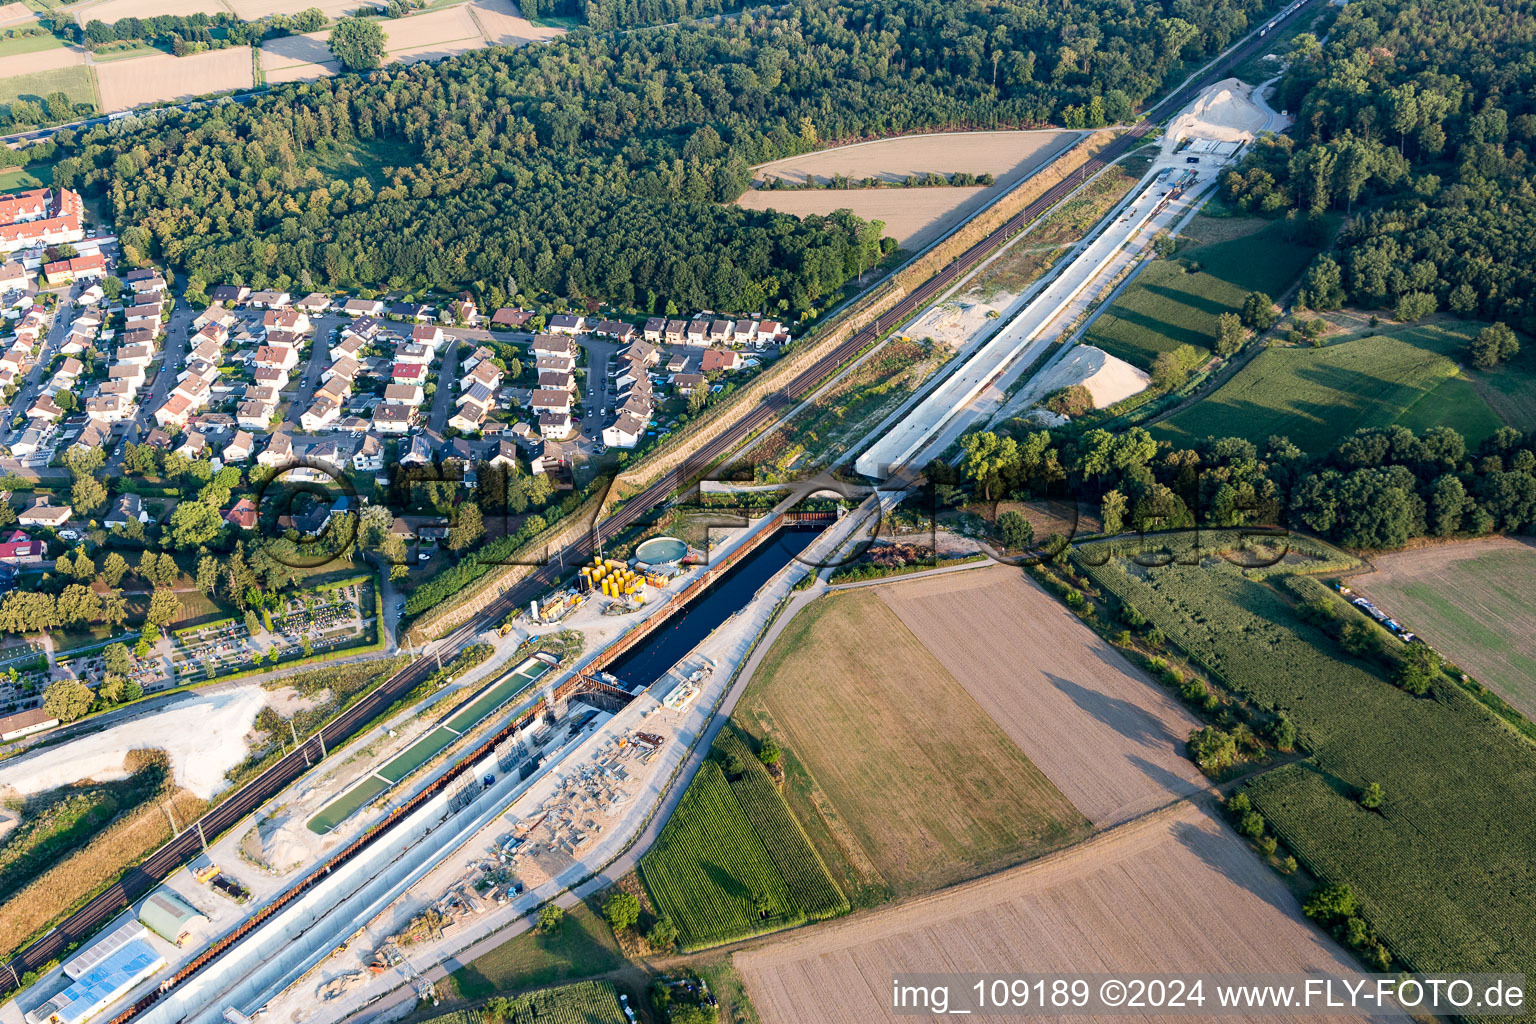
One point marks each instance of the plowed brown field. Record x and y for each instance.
(1175, 891)
(1105, 734)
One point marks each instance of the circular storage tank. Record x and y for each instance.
(661, 551)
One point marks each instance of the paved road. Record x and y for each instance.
(173, 355)
(598, 393)
(309, 380)
(63, 316)
(447, 385)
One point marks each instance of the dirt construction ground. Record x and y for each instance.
(1176, 891)
(1107, 736)
(129, 83)
(1474, 602)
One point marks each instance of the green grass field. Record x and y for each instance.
(711, 873)
(586, 1002)
(28, 44)
(1443, 871)
(583, 945)
(76, 82)
(1316, 396)
(1176, 301)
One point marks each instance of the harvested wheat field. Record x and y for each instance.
(15, 13)
(912, 216)
(432, 36)
(298, 58)
(130, 83)
(252, 10)
(1175, 891)
(42, 60)
(1474, 602)
(1106, 735)
(910, 775)
(114, 11)
(503, 24)
(1014, 154)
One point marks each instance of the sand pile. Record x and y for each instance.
(1225, 112)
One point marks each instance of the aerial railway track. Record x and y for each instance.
(138, 881)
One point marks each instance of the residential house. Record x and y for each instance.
(509, 318)
(393, 417)
(81, 268)
(720, 360)
(242, 514)
(45, 408)
(369, 457)
(240, 448)
(254, 415)
(655, 330)
(106, 408)
(408, 373)
(14, 277)
(554, 379)
(44, 513)
(363, 307)
(321, 414)
(19, 549)
(230, 294)
(676, 332)
(686, 382)
(554, 425)
(411, 352)
(134, 355)
(698, 333)
(313, 303)
(346, 369)
(276, 357)
(270, 377)
(468, 418)
(159, 440)
(478, 395)
(366, 327)
(349, 345)
(551, 401)
(409, 311)
(613, 329)
(624, 432)
(485, 372)
(404, 394)
(192, 444)
(279, 452)
(94, 434)
(295, 321)
(125, 508)
(419, 452)
(549, 345)
(564, 323)
(269, 299)
(175, 411)
(214, 314)
(429, 335)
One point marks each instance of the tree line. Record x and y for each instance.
(1378, 488)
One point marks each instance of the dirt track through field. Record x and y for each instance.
(1175, 891)
(1107, 736)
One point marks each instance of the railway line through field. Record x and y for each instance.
(138, 881)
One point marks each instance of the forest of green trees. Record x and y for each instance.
(1377, 488)
(595, 166)
(1420, 119)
